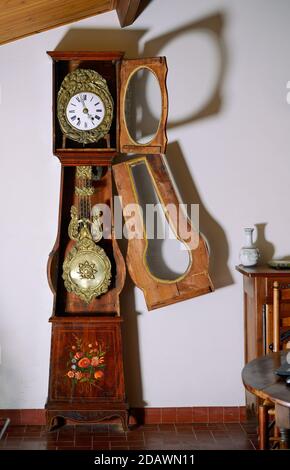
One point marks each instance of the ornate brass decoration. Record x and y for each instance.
(73, 228)
(84, 191)
(84, 171)
(96, 227)
(86, 268)
(81, 81)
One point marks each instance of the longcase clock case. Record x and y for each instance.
(86, 382)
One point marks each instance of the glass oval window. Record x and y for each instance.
(143, 106)
(167, 257)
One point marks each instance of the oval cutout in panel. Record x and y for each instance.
(142, 101)
(167, 257)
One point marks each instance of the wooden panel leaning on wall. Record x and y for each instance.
(160, 292)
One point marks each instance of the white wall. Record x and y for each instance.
(238, 156)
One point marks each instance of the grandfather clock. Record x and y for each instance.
(86, 270)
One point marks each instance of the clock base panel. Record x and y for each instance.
(86, 372)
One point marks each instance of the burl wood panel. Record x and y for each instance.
(66, 303)
(157, 292)
(158, 66)
(19, 18)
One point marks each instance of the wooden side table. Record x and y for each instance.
(258, 287)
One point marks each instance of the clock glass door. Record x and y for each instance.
(135, 114)
(161, 291)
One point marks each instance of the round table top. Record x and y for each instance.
(260, 379)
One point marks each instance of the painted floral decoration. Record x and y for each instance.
(87, 362)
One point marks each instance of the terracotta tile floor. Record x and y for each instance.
(231, 436)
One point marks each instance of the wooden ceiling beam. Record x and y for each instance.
(127, 11)
(20, 18)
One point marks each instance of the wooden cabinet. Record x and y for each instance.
(258, 298)
(258, 286)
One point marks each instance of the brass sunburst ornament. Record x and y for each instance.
(87, 270)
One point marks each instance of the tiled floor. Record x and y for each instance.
(111, 437)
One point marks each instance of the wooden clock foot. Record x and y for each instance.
(58, 418)
(54, 423)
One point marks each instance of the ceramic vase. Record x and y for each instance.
(249, 254)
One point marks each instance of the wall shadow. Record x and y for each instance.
(130, 336)
(209, 227)
(143, 121)
(131, 349)
(82, 39)
(266, 248)
(142, 7)
(213, 26)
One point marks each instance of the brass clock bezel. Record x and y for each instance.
(81, 81)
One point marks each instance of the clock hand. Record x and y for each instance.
(90, 117)
(83, 101)
(85, 109)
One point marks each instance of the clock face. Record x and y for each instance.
(85, 111)
(84, 106)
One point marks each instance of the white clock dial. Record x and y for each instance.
(85, 111)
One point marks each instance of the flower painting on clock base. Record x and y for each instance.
(86, 375)
(86, 363)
